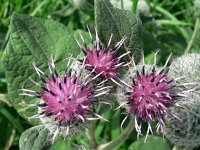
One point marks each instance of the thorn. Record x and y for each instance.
(44, 88)
(121, 105)
(143, 69)
(124, 54)
(92, 41)
(113, 80)
(153, 79)
(168, 60)
(110, 39)
(49, 114)
(53, 77)
(70, 72)
(56, 73)
(133, 80)
(97, 40)
(155, 54)
(52, 93)
(166, 70)
(60, 86)
(170, 81)
(42, 105)
(81, 35)
(161, 71)
(138, 74)
(75, 79)
(43, 80)
(65, 79)
(154, 69)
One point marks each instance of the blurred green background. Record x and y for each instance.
(168, 26)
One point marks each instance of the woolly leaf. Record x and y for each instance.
(35, 138)
(119, 22)
(34, 39)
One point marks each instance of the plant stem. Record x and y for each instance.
(134, 6)
(122, 4)
(10, 140)
(119, 140)
(178, 148)
(4, 99)
(196, 28)
(91, 138)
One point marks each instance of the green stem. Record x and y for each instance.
(10, 140)
(196, 28)
(122, 4)
(91, 138)
(119, 140)
(134, 6)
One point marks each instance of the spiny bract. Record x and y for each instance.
(149, 94)
(65, 101)
(100, 60)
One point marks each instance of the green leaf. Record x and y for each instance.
(152, 143)
(11, 118)
(6, 130)
(61, 144)
(121, 23)
(115, 124)
(34, 39)
(35, 138)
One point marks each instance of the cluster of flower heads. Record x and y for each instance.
(66, 102)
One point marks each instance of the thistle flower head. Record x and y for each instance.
(150, 94)
(66, 100)
(102, 60)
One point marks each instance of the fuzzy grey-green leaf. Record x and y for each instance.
(34, 39)
(120, 23)
(35, 138)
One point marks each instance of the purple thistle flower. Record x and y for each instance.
(65, 100)
(150, 94)
(101, 60)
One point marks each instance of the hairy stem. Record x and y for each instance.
(196, 28)
(119, 140)
(91, 138)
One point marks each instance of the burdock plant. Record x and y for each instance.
(63, 95)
